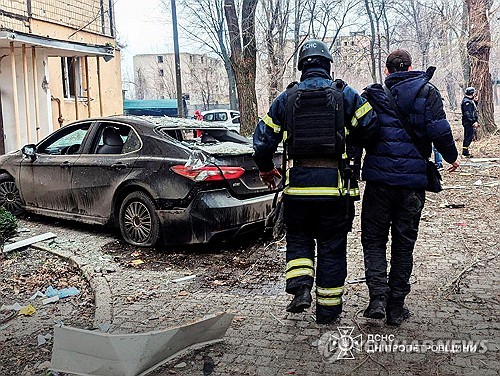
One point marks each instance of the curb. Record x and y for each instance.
(99, 285)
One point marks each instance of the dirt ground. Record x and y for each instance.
(23, 274)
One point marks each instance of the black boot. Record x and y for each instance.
(301, 301)
(397, 313)
(376, 308)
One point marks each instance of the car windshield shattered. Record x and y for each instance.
(214, 140)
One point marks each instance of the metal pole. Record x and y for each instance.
(35, 90)
(75, 85)
(87, 83)
(99, 85)
(26, 93)
(14, 95)
(180, 112)
(2, 134)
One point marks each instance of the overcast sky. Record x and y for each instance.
(142, 29)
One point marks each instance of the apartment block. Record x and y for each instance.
(204, 80)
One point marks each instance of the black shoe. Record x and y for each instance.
(467, 156)
(301, 301)
(324, 320)
(376, 308)
(396, 314)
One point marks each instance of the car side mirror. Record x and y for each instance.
(29, 151)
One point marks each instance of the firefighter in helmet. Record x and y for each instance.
(318, 119)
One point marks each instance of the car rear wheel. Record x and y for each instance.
(139, 224)
(9, 195)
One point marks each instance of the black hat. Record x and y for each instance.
(399, 60)
(313, 48)
(470, 90)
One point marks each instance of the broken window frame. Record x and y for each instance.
(68, 77)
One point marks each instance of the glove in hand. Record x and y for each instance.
(269, 178)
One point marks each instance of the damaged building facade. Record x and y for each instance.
(58, 63)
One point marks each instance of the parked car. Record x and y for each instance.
(228, 118)
(150, 177)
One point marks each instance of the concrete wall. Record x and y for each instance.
(112, 102)
(7, 92)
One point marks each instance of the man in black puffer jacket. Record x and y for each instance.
(395, 175)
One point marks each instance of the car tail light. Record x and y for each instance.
(209, 173)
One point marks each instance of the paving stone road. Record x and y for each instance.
(455, 296)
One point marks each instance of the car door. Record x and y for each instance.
(103, 167)
(45, 181)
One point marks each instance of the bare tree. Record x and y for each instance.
(140, 84)
(327, 18)
(377, 12)
(207, 27)
(244, 58)
(276, 14)
(478, 47)
(299, 10)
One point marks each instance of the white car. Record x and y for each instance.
(229, 118)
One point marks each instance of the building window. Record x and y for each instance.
(161, 72)
(71, 76)
(160, 59)
(191, 58)
(345, 43)
(202, 59)
(352, 43)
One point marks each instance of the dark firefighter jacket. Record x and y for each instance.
(394, 160)
(469, 111)
(312, 182)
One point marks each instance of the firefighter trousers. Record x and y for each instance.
(398, 210)
(322, 225)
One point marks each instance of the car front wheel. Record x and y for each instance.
(139, 224)
(9, 195)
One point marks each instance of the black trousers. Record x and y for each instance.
(398, 210)
(321, 224)
(468, 137)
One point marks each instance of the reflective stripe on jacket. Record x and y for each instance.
(324, 182)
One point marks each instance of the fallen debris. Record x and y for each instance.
(28, 310)
(42, 339)
(63, 293)
(356, 280)
(29, 241)
(86, 352)
(454, 206)
(52, 299)
(136, 262)
(182, 279)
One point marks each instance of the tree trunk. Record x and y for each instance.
(463, 50)
(244, 59)
(296, 31)
(373, 67)
(478, 48)
(233, 98)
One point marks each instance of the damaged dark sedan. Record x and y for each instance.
(164, 179)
